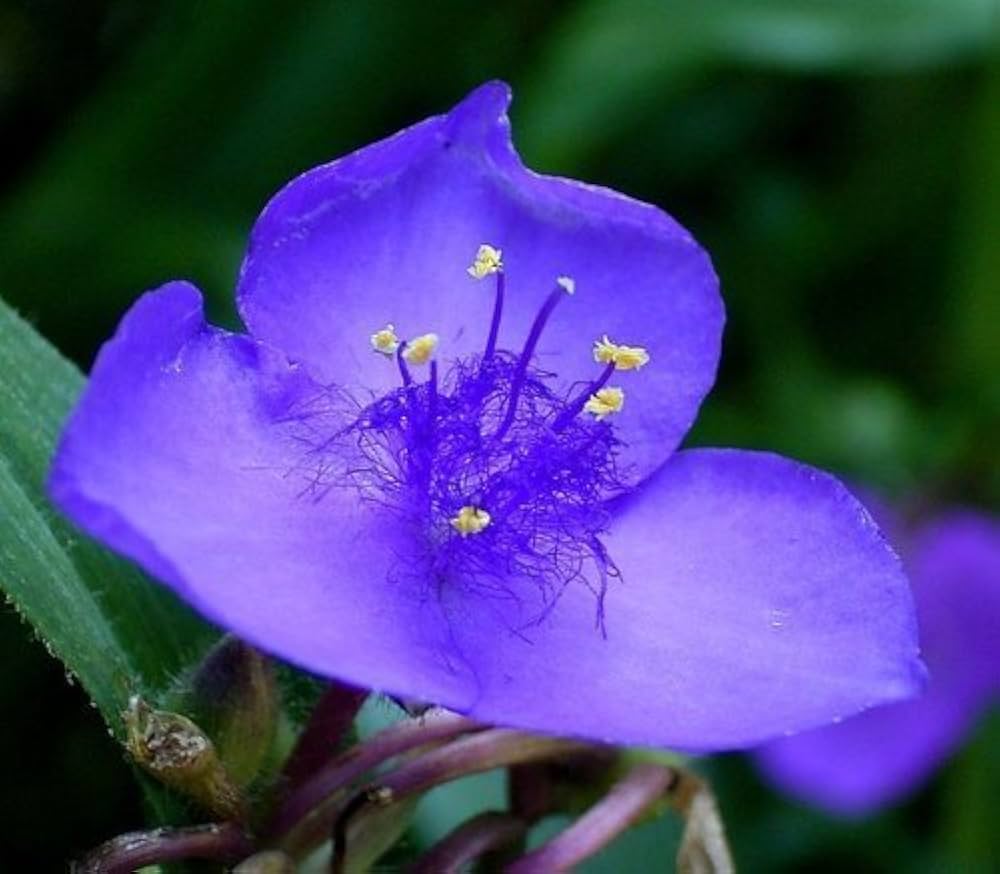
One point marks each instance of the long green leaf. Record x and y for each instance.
(115, 631)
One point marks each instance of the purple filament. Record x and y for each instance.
(492, 433)
(491, 341)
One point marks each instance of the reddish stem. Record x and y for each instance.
(224, 842)
(474, 837)
(329, 723)
(484, 751)
(435, 726)
(617, 811)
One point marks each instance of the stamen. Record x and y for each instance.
(534, 335)
(385, 341)
(580, 402)
(605, 402)
(432, 395)
(567, 284)
(491, 340)
(488, 260)
(404, 371)
(420, 349)
(470, 520)
(623, 357)
(495, 430)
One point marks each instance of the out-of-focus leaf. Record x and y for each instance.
(976, 350)
(970, 797)
(114, 630)
(211, 108)
(615, 60)
(862, 35)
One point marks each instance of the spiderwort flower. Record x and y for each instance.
(880, 756)
(441, 463)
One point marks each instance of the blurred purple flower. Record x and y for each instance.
(880, 756)
(500, 529)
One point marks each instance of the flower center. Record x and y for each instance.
(498, 472)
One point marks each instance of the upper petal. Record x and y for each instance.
(191, 451)
(385, 235)
(757, 598)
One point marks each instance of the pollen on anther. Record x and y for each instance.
(567, 284)
(623, 357)
(488, 261)
(604, 402)
(470, 520)
(385, 341)
(420, 349)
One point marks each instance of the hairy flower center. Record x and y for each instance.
(499, 474)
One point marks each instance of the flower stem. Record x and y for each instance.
(330, 721)
(530, 793)
(484, 751)
(627, 801)
(474, 837)
(225, 842)
(436, 726)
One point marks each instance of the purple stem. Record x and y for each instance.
(434, 727)
(484, 751)
(627, 801)
(491, 341)
(534, 335)
(225, 842)
(474, 837)
(530, 792)
(432, 396)
(404, 371)
(574, 407)
(329, 723)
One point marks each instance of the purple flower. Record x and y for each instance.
(441, 463)
(880, 756)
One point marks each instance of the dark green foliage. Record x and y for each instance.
(839, 158)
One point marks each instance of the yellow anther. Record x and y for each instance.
(385, 341)
(488, 260)
(567, 284)
(420, 349)
(604, 402)
(623, 357)
(470, 520)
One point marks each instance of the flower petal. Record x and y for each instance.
(183, 454)
(385, 235)
(872, 759)
(955, 566)
(757, 598)
(880, 756)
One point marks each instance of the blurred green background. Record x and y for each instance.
(839, 158)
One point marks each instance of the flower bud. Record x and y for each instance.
(178, 753)
(233, 695)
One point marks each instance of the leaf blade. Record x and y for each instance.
(114, 630)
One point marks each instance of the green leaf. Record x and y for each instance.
(636, 56)
(852, 35)
(115, 631)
